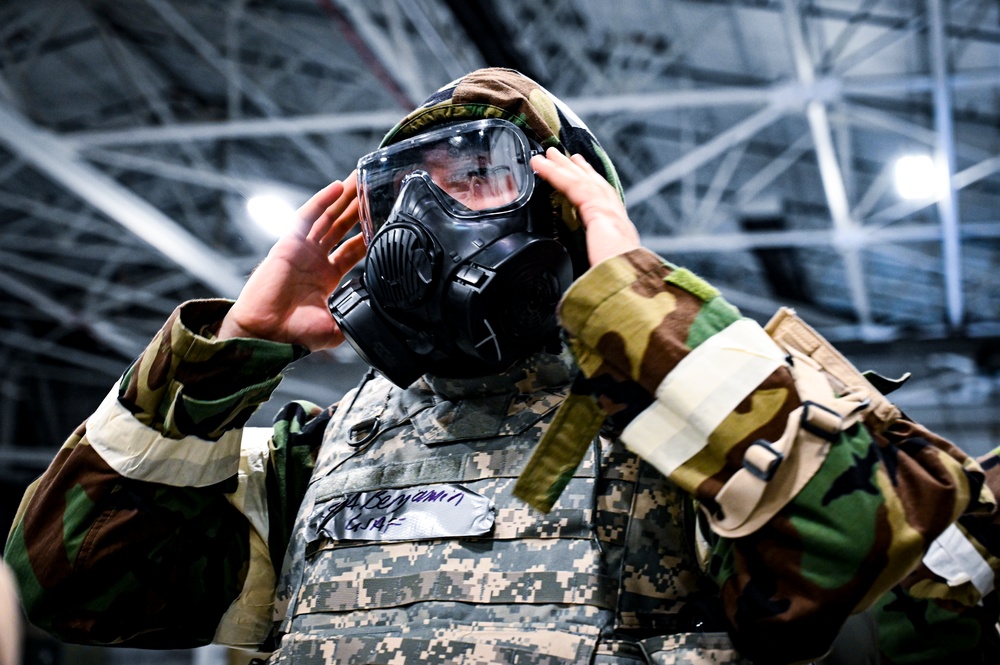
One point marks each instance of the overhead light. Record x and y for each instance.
(917, 177)
(272, 213)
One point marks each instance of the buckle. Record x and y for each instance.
(815, 416)
(769, 469)
(363, 432)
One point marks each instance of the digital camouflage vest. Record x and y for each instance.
(386, 565)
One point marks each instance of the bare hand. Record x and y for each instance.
(609, 230)
(285, 298)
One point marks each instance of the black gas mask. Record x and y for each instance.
(462, 274)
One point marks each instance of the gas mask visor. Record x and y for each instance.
(475, 169)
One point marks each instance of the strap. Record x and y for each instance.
(700, 393)
(557, 455)
(791, 332)
(774, 472)
(955, 558)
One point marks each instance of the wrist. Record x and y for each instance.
(230, 329)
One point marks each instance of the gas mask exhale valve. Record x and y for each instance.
(450, 288)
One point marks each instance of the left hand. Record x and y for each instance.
(609, 230)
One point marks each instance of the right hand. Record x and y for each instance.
(285, 298)
(609, 230)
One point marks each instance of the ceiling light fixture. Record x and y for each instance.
(917, 177)
(271, 213)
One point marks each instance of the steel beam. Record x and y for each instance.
(455, 64)
(768, 174)
(54, 159)
(705, 216)
(944, 157)
(319, 158)
(864, 236)
(53, 349)
(900, 84)
(238, 129)
(382, 46)
(112, 295)
(703, 153)
(882, 41)
(202, 176)
(829, 167)
(638, 104)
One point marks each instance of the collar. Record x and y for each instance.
(536, 372)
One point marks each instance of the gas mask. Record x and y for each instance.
(462, 274)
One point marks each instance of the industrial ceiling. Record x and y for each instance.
(756, 139)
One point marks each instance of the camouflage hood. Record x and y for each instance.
(507, 94)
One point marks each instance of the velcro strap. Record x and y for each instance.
(955, 558)
(700, 392)
(395, 588)
(557, 455)
(140, 452)
(821, 421)
(762, 459)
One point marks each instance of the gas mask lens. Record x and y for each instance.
(474, 169)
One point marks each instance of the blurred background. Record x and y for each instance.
(838, 156)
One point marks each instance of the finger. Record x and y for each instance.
(351, 182)
(595, 175)
(561, 161)
(569, 178)
(336, 208)
(344, 222)
(345, 206)
(556, 155)
(309, 211)
(348, 254)
(556, 169)
(582, 162)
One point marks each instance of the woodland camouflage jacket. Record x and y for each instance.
(163, 522)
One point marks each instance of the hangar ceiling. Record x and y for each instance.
(756, 140)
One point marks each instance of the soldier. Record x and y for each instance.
(700, 489)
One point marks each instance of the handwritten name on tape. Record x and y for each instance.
(409, 513)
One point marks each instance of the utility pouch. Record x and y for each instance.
(834, 396)
(792, 333)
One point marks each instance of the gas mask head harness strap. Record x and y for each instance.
(462, 274)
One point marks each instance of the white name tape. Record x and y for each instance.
(409, 513)
(700, 392)
(958, 561)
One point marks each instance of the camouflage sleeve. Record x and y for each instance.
(947, 609)
(153, 523)
(818, 502)
(187, 383)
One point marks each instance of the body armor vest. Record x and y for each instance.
(587, 582)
